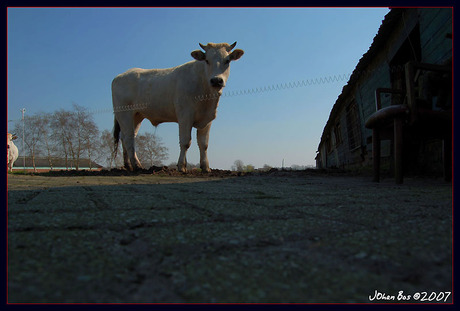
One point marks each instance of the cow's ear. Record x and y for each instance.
(14, 137)
(236, 54)
(198, 55)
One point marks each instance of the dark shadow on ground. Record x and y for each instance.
(259, 238)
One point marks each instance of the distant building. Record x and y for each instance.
(42, 164)
(405, 35)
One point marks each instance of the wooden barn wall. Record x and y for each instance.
(341, 148)
(365, 98)
(331, 162)
(436, 48)
(434, 25)
(363, 95)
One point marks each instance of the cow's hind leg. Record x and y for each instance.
(202, 136)
(129, 155)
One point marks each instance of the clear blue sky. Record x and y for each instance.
(57, 57)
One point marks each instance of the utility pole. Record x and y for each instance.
(23, 130)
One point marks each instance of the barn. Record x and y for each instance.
(395, 112)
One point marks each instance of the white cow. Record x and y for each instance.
(187, 94)
(12, 152)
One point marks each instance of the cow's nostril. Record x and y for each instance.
(217, 81)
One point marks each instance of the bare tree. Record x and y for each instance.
(150, 150)
(62, 131)
(71, 135)
(78, 116)
(76, 131)
(238, 165)
(87, 134)
(46, 138)
(106, 150)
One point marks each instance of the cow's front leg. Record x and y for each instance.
(202, 136)
(185, 140)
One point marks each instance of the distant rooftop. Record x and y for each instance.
(55, 162)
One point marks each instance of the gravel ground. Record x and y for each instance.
(278, 237)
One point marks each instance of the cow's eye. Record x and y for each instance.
(227, 61)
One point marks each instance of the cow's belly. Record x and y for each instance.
(158, 101)
(157, 115)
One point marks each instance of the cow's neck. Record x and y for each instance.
(208, 93)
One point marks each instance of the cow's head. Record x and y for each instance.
(217, 58)
(10, 137)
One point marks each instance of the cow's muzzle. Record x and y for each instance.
(217, 82)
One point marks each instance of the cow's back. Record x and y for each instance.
(143, 86)
(155, 92)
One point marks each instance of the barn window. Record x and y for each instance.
(353, 126)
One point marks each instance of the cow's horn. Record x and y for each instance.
(203, 46)
(231, 47)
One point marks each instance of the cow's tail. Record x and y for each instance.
(116, 137)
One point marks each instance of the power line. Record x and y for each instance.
(255, 90)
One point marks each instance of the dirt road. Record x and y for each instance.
(280, 237)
